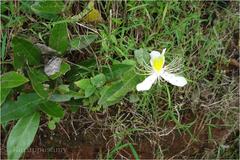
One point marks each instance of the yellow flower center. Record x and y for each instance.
(158, 63)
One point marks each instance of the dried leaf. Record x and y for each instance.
(53, 66)
(94, 15)
(45, 49)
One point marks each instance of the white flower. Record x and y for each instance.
(159, 71)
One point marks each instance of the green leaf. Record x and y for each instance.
(58, 39)
(48, 7)
(116, 71)
(85, 84)
(22, 135)
(12, 79)
(25, 105)
(4, 93)
(108, 92)
(129, 62)
(66, 97)
(25, 51)
(89, 91)
(98, 80)
(63, 70)
(39, 75)
(37, 78)
(63, 88)
(127, 86)
(53, 109)
(141, 56)
(76, 95)
(56, 119)
(83, 68)
(60, 97)
(117, 91)
(51, 125)
(83, 41)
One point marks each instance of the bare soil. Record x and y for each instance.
(73, 140)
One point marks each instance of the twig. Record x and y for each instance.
(87, 27)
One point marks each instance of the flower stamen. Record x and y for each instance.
(158, 63)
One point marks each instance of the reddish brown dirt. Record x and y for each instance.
(63, 143)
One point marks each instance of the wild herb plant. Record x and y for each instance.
(54, 60)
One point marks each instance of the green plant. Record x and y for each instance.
(119, 147)
(46, 80)
(59, 56)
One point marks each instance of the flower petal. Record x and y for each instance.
(155, 54)
(173, 79)
(163, 51)
(147, 83)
